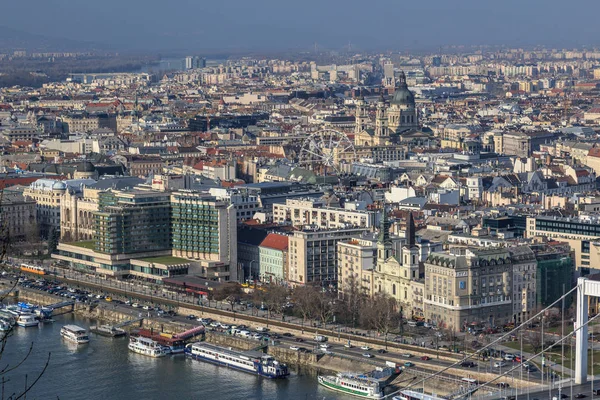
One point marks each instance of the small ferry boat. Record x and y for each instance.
(75, 334)
(247, 361)
(352, 384)
(147, 347)
(107, 330)
(27, 320)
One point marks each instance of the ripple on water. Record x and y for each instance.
(104, 369)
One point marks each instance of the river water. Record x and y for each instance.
(105, 369)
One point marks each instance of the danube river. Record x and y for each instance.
(105, 369)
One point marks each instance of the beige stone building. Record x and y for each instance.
(468, 286)
(357, 258)
(77, 215)
(313, 255)
(301, 212)
(524, 282)
(18, 218)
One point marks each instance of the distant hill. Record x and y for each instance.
(14, 39)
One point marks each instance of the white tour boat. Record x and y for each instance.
(27, 320)
(75, 334)
(147, 347)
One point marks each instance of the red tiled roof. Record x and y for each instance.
(594, 152)
(275, 241)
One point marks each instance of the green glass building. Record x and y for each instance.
(132, 222)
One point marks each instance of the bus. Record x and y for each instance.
(33, 269)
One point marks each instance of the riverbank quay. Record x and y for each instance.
(304, 354)
(235, 317)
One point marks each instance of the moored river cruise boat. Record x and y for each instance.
(247, 361)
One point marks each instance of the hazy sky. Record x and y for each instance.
(290, 24)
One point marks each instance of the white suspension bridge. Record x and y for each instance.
(583, 290)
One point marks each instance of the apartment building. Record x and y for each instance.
(18, 216)
(314, 212)
(313, 255)
(524, 281)
(357, 258)
(273, 258)
(80, 124)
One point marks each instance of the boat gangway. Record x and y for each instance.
(190, 333)
(127, 323)
(62, 304)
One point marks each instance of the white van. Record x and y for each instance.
(262, 329)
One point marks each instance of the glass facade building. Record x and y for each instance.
(132, 222)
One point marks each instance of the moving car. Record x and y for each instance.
(368, 355)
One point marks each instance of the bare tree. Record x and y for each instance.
(325, 306)
(230, 292)
(534, 339)
(353, 301)
(275, 297)
(304, 298)
(380, 314)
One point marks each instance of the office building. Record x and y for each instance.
(204, 229)
(468, 287)
(580, 233)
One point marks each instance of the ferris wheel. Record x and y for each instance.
(322, 149)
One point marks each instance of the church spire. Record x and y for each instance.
(402, 80)
(384, 229)
(410, 231)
